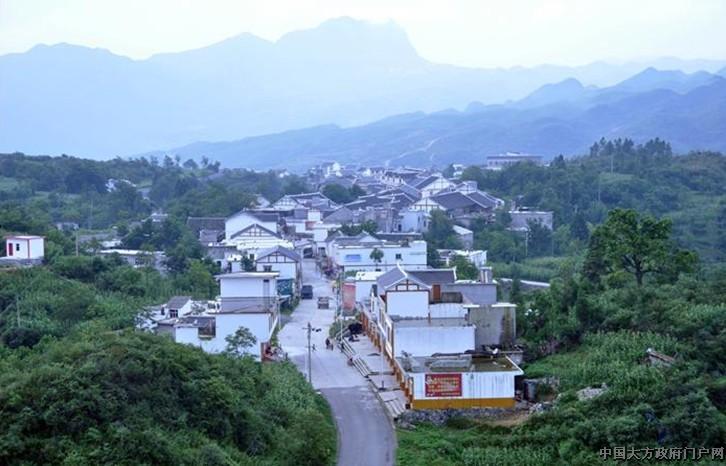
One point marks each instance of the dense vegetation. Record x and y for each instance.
(77, 384)
(649, 178)
(133, 398)
(591, 329)
(70, 189)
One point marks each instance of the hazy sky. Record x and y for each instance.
(463, 32)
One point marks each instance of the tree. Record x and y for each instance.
(465, 270)
(578, 229)
(376, 256)
(337, 193)
(441, 231)
(637, 245)
(240, 342)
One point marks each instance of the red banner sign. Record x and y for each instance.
(443, 385)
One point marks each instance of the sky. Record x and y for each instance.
(478, 33)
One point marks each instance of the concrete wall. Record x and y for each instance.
(412, 257)
(363, 290)
(32, 248)
(473, 385)
(521, 219)
(286, 269)
(495, 324)
(427, 340)
(407, 303)
(252, 287)
(261, 325)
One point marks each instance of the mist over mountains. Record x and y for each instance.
(688, 110)
(342, 74)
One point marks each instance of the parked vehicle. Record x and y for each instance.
(306, 292)
(323, 302)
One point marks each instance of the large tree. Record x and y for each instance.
(635, 244)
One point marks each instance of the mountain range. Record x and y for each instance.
(344, 73)
(688, 110)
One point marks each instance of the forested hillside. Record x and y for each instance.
(78, 385)
(688, 189)
(635, 292)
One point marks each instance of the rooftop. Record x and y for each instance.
(459, 363)
(426, 322)
(248, 275)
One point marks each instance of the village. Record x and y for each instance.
(421, 338)
(348, 293)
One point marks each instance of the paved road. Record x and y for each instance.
(365, 433)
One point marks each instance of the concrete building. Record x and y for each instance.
(437, 332)
(433, 184)
(287, 263)
(24, 247)
(138, 258)
(243, 219)
(364, 282)
(459, 381)
(522, 218)
(353, 253)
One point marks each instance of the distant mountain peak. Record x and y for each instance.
(563, 91)
(350, 39)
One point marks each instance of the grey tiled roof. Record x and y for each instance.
(434, 276)
(177, 302)
(289, 253)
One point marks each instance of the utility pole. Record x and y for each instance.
(310, 331)
(310, 355)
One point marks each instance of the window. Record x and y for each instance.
(173, 313)
(17, 247)
(398, 257)
(352, 258)
(267, 268)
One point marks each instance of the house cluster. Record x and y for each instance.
(246, 299)
(450, 343)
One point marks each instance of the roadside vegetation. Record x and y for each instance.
(635, 290)
(78, 385)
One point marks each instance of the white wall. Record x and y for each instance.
(241, 287)
(363, 290)
(286, 269)
(32, 248)
(407, 303)
(413, 257)
(261, 325)
(427, 340)
(473, 385)
(241, 221)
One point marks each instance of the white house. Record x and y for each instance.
(459, 381)
(433, 184)
(412, 221)
(247, 299)
(353, 253)
(254, 238)
(287, 263)
(25, 247)
(246, 218)
(413, 319)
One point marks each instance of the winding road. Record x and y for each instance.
(365, 433)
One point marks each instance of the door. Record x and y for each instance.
(10, 249)
(266, 288)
